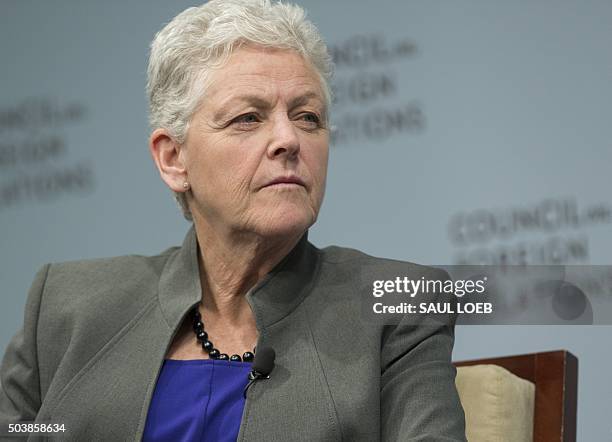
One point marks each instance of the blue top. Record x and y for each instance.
(197, 400)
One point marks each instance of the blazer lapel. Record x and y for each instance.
(296, 402)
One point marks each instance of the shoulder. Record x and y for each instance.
(85, 280)
(84, 304)
(347, 288)
(356, 262)
(350, 276)
(97, 296)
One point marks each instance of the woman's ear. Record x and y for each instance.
(169, 159)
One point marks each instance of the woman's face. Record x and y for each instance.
(257, 148)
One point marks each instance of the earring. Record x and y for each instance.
(185, 185)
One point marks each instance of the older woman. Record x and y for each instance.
(160, 348)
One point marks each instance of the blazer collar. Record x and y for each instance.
(271, 299)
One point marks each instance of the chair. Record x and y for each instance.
(554, 376)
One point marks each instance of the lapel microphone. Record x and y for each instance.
(262, 366)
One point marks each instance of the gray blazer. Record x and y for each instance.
(96, 333)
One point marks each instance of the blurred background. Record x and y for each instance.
(471, 132)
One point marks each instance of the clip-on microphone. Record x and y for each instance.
(262, 366)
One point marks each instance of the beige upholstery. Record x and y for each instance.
(498, 404)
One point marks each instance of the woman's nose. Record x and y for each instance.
(284, 138)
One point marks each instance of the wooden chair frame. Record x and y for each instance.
(555, 375)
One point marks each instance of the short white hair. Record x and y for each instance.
(202, 38)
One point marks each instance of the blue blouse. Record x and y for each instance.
(197, 400)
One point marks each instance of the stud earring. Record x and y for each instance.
(185, 185)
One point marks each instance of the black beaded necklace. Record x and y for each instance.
(213, 353)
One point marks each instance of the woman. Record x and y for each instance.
(135, 347)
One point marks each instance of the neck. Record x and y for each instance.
(233, 262)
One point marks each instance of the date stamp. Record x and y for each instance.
(25, 429)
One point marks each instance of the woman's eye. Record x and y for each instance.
(246, 119)
(312, 119)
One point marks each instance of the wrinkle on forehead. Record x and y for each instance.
(262, 76)
(267, 102)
